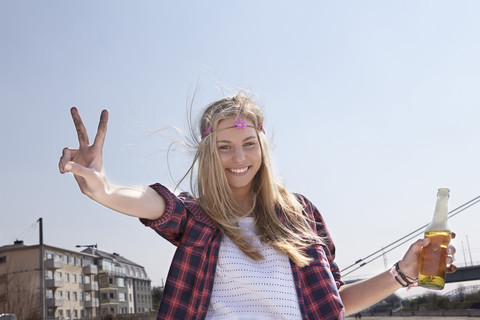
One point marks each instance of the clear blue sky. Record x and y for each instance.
(370, 105)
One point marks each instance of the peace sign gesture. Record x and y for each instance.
(86, 162)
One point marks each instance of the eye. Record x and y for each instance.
(224, 147)
(249, 144)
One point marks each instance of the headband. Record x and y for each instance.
(239, 124)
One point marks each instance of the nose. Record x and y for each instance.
(238, 155)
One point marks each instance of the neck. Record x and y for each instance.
(244, 200)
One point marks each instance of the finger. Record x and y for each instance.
(67, 155)
(81, 130)
(451, 250)
(102, 129)
(419, 244)
(451, 268)
(77, 169)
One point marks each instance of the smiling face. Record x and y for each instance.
(240, 153)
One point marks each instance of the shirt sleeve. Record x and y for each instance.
(322, 231)
(172, 224)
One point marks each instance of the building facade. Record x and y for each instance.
(124, 285)
(65, 284)
(68, 288)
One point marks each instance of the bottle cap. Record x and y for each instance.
(443, 192)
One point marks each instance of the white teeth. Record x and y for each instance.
(239, 170)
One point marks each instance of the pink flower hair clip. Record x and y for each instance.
(240, 124)
(261, 128)
(207, 131)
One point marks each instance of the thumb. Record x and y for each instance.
(76, 169)
(419, 244)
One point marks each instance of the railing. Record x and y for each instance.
(53, 283)
(90, 269)
(53, 302)
(94, 303)
(92, 286)
(53, 264)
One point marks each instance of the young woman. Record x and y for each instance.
(246, 247)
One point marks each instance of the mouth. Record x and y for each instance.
(238, 170)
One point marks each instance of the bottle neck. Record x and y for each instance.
(440, 215)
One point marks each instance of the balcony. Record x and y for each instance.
(52, 302)
(93, 286)
(90, 269)
(109, 301)
(53, 283)
(92, 303)
(53, 264)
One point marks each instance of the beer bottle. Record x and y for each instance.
(432, 259)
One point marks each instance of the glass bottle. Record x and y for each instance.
(433, 256)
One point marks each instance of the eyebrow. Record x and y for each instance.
(247, 138)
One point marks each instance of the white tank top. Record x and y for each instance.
(247, 289)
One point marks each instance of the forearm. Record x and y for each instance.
(360, 295)
(136, 201)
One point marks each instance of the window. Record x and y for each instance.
(65, 259)
(58, 276)
(87, 279)
(49, 275)
(49, 294)
(60, 313)
(58, 258)
(73, 261)
(121, 297)
(59, 294)
(74, 278)
(3, 259)
(74, 296)
(121, 282)
(80, 279)
(67, 295)
(79, 262)
(81, 296)
(49, 255)
(75, 314)
(67, 277)
(87, 262)
(88, 296)
(69, 314)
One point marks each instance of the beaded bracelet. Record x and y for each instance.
(409, 282)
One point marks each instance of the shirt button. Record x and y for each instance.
(299, 286)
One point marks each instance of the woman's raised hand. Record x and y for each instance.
(86, 162)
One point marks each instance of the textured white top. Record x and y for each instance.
(247, 289)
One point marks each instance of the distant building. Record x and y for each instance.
(70, 287)
(76, 285)
(124, 285)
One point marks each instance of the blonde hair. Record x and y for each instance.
(213, 193)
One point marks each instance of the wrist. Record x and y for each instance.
(404, 280)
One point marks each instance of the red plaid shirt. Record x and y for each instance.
(190, 279)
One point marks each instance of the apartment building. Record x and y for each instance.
(124, 285)
(74, 285)
(67, 290)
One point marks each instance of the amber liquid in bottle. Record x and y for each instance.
(433, 256)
